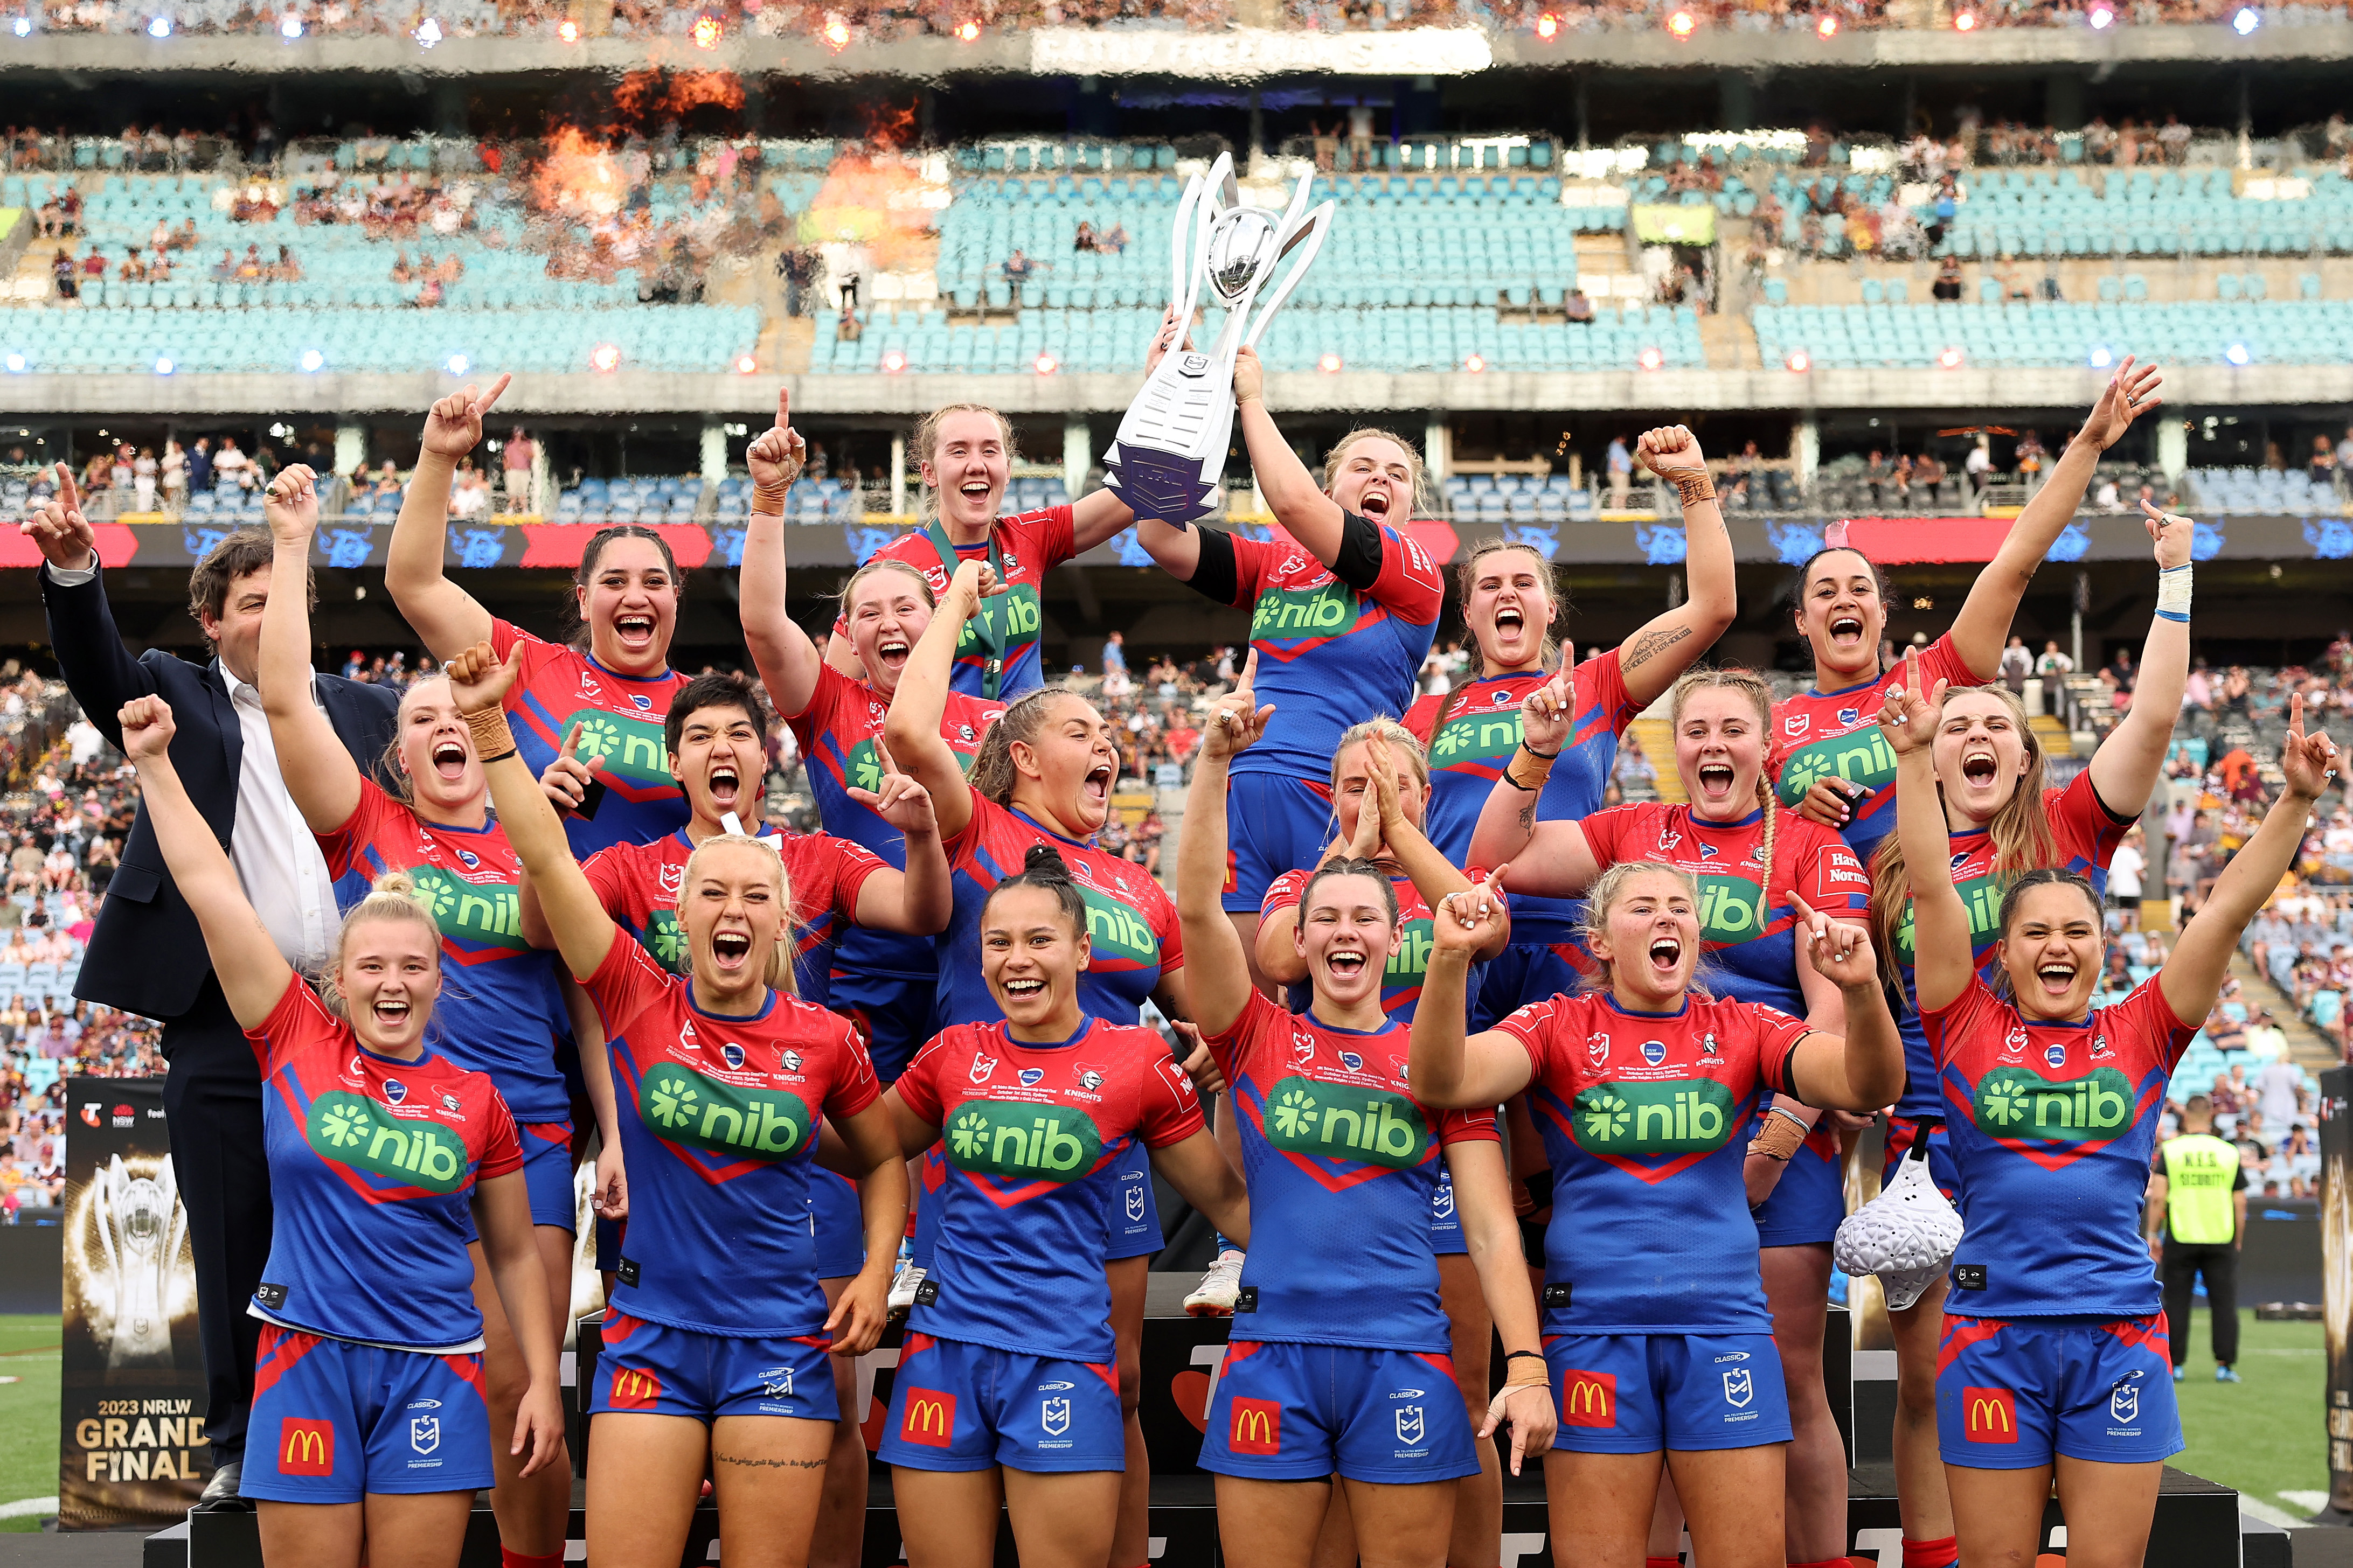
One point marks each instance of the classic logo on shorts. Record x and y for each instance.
(347, 1130)
(487, 915)
(1474, 738)
(625, 747)
(1305, 614)
(2015, 1102)
(1671, 1116)
(1256, 1427)
(1374, 1126)
(1036, 1142)
(306, 1447)
(1990, 1415)
(1590, 1399)
(1861, 756)
(930, 1419)
(633, 1388)
(687, 1108)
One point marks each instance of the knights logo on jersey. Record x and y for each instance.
(1089, 1079)
(449, 1102)
(791, 1060)
(1031, 1076)
(1707, 1051)
(2100, 1048)
(733, 1055)
(983, 1068)
(395, 1091)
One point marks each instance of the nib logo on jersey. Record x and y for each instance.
(1303, 616)
(1981, 897)
(1475, 738)
(352, 1131)
(1117, 934)
(699, 1110)
(1861, 756)
(1730, 911)
(1015, 614)
(630, 752)
(1035, 1143)
(485, 913)
(1668, 1116)
(1362, 1125)
(2017, 1103)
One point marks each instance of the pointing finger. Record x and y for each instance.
(477, 409)
(1250, 672)
(68, 491)
(572, 741)
(883, 755)
(783, 408)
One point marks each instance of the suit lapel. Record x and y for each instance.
(232, 732)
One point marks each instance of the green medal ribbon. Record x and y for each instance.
(983, 626)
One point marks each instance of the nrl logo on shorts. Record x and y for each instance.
(1740, 1388)
(777, 1380)
(1409, 1424)
(1054, 1415)
(2123, 1401)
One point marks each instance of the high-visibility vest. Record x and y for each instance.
(2200, 1171)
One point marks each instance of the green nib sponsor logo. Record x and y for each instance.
(865, 768)
(1861, 756)
(633, 749)
(600, 738)
(686, 1108)
(1326, 612)
(1410, 961)
(1980, 897)
(1371, 1126)
(2017, 1102)
(1115, 931)
(1014, 612)
(1730, 911)
(349, 1131)
(1480, 739)
(487, 916)
(1035, 1143)
(1673, 1116)
(666, 941)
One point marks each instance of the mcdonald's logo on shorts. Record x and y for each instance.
(1590, 1399)
(1257, 1426)
(635, 1388)
(306, 1447)
(1990, 1415)
(930, 1419)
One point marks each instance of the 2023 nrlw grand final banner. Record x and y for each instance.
(130, 1403)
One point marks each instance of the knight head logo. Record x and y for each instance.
(733, 1055)
(1409, 1424)
(981, 1070)
(449, 1102)
(1031, 1076)
(1707, 1050)
(395, 1091)
(1089, 1079)
(479, 547)
(2100, 1047)
(1740, 1388)
(791, 1060)
(1654, 1051)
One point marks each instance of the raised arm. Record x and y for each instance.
(319, 774)
(782, 652)
(1940, 922)
(98, 669)
(1298, 502)
(1655, 657)
(1863, 1070)
(1434, 877)
(1563, 864)
(252, 974)
(1980, 630)
(584, 933)
(1213, 950)
(2125, 768)
(912, 727)
(2192, 975)
(1442, 1068)
(920, 901)
(449, 619)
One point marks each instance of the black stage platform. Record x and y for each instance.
(2197, 1522)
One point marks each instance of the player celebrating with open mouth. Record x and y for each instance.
(1342, 1324)
(1658, 1335)
(1007, 1389)
(385, 1161)
(2055, 1358)
(720, 1078)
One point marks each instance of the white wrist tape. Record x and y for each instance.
(2173, 592)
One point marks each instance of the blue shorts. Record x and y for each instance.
(838, 1223)
(960, 1406)
(2010, 1394)
(1273, 824)
(1809, 1201)
(1298, 1413)
(1523, 972)
(894, 1011)
(1130, 1208)
(1640, 1394)
(653, 1369)
(1445, 1224)
(333, 1421)
(1903, 1132)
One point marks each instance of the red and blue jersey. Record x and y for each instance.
(1341, 1164)
(1020, 1255)
(639, 886)
(1416, 940)
(2053, 1125)
(500, 1011)
(1835, 735)
(836, 734)
(1747, 924)
(1029, 544)
(719, 1125)
(1131, 925)
(373, 1162)
(1650, 1232)
(621, 740)
(1470, 748)
(2085, 834)
(1328, 656)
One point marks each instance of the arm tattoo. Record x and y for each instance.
(1528, 817)
(1650, 643)
(768, 1464)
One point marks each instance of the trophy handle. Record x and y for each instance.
(1220, 179)
(1180, 248)
(1308, 240)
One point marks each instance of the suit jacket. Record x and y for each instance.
(147, 954)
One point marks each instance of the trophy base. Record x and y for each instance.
(1166, 486)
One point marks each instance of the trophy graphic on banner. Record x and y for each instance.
(1171, 447)
(140, 1226)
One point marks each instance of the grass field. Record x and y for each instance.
(2262, 1437)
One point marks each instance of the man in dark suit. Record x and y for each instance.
(147, 954)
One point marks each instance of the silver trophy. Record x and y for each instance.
(1171, 447)
(141, 1228)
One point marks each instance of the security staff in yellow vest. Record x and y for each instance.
(2197, 1220)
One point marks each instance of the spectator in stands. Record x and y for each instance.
(517, 459)
(2017, 665)
(2126, 869)
(2275, 1086)
(1577, 307)
(148, 956)
(232, 467)
(1018, 268)
(1621, 472)
(1115, 653)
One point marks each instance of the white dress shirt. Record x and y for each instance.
(277, 857)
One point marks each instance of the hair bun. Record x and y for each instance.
(397, 884)
(1046, 861)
